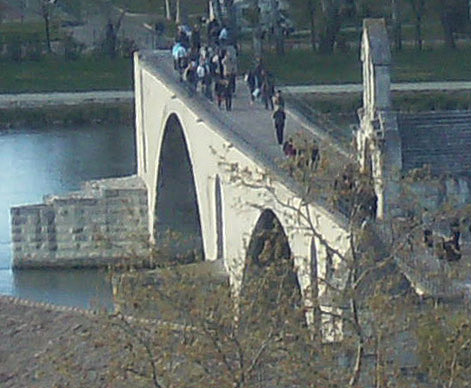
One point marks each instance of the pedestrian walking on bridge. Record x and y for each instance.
(279, 117)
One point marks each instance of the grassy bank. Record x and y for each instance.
(67, 115)
(296, 67)
(302, 66)
(402, 101)
(338, 112)
(55, 74)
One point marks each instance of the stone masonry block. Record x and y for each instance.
(18, 238)
(19, 220)
(16, 230)
(109, 193)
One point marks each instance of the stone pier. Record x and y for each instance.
(104, 222)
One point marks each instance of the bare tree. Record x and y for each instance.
(168, 10)
(312, 23)
(45, 10)
(396, 22)
(418, 9)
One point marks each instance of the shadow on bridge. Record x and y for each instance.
(177, 226)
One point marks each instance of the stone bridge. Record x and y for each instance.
(212, 180)
(211, 177)
(216, 176)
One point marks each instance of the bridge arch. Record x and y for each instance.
(269, 266)
(177, 222)
(267, 233)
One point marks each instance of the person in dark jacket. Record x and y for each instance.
(267, 90)
(196, 38)
(219, 90)
(251, 84)
(279, 117)
(228, 94)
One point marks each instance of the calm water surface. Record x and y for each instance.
(36, 162)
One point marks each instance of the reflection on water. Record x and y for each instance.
(36, 162)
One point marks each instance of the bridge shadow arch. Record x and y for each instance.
(269, 275)
(177, 223)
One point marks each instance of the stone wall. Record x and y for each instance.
(104, 222)
(441, 140)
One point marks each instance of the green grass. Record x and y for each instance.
(306, 67)
(438, 64)
(302, 66)
(28, 31)
(158, 6)
(402, 101)
(56, 74)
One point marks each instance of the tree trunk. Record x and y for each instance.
(45, 14)
(178, 15)
(217, 10)
(331, 26)
(312, 24)
(447, 30)
(232, 19)
(418, 31)
(257, 32)
(168, 10)
(396, 24)
(277, 32)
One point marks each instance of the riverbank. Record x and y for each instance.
(32, 335)
(46, 109)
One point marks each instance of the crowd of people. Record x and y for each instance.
(212, 68)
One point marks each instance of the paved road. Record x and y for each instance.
(401, 86)
(31, 100)
(39, 99)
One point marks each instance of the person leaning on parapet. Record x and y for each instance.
(279, 118)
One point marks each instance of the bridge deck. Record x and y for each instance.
(250, 127)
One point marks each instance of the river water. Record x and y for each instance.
(36, 162)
